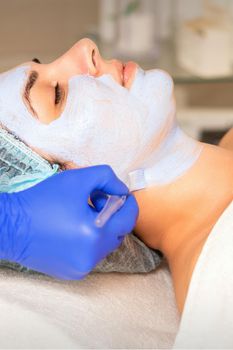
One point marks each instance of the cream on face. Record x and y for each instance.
(104, 123)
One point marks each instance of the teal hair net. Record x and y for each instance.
(20, 167)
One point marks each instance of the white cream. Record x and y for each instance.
(104, 123)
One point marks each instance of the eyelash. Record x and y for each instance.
(93, 57)
(58, 94)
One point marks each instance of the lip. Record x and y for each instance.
(128, 73)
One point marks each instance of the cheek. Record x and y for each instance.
(105, 116)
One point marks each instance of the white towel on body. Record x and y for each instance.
(207, 319)
(103, 311)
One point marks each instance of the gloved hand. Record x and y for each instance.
(50, 227)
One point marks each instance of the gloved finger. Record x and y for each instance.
(98, 199)
(123, 221)
(100, 177)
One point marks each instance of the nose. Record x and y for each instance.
(96, 65)
(84, 58)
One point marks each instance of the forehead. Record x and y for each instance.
(12, 85)
(15, 74)
(28, 63)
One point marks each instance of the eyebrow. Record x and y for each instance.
(33, 76)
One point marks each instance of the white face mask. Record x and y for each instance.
(104, 123)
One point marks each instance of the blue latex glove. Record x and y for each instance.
(50, 227)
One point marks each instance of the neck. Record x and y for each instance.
(177, 218)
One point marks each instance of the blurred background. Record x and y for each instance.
(191, 39)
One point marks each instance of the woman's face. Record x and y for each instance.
(47, 96)
(88, 111)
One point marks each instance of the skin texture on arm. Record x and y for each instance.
(227, 140)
